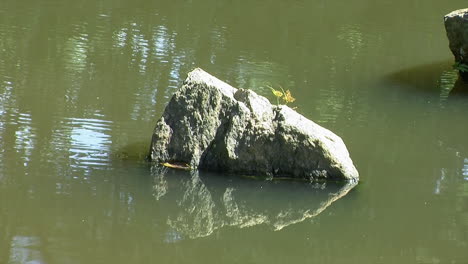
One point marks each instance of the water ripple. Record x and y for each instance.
(86, 141)
(24, 136)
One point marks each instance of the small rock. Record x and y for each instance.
(456, 25)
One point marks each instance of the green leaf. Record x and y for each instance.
(461, 67)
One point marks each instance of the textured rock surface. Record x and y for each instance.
(456, 25)
(213, 126)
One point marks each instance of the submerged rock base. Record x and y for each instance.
(210, 125)
(456, 25)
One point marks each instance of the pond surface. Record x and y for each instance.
(83, 82)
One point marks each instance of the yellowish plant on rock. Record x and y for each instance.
(286, 96)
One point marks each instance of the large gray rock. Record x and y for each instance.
(456, 25)
(211, 125)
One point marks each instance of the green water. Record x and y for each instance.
(83, 82)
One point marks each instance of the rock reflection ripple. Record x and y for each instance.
(200, 203)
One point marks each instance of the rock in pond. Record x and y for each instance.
(456, 25)
(211, 125)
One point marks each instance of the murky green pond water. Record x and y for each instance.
(83, 82)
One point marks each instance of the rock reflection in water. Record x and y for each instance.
(202, 202)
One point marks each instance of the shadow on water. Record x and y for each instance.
(132, 152)
(435, 78)
(442, 95)
(426, 78)
(460, 88)
(200, 203)
(437, 114)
